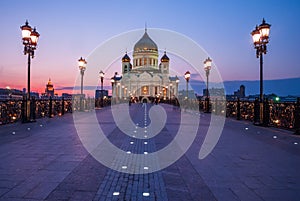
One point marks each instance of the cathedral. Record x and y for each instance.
(144, 78)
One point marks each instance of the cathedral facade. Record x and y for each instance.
(145, 76)
(49, 90)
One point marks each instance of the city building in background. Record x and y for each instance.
(49, 90)
(8, 93)
(214, 92)
(182, 94)
(240, 93)
(101, 93)
(66, 96)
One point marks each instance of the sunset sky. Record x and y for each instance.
(70, 29)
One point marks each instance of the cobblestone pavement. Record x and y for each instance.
(125, 186)
(47, 161)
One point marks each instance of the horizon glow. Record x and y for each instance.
(65, 36)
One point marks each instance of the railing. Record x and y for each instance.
(283, 115)
(11, 110)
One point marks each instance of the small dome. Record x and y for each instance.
(126, 58)
(145, 43)
(165, 58)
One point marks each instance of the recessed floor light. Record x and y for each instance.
(116, 193)
(146, 194)
(124, 167)
(145, 142)
(274, 136)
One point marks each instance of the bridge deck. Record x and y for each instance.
(47, 161)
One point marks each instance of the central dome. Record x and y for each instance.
(145, 43)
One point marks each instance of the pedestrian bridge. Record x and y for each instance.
(49, 160)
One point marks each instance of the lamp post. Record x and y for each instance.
(177, 83)
(187, 76)
(101, 74)
(260, 36)
(112, 80)
(82, 67)
(207, 68)
(30, 38)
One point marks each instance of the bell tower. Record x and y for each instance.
(126, 65)
(164, 65)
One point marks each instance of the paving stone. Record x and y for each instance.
(50, 163)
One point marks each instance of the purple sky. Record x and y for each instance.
(70, 29)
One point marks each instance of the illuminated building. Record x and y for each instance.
(49, 90)
(145, 78)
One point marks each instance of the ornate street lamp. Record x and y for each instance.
(82, 67)
(207, 68)
(101, 74)
(260, 36)
(187, 76)
(30, 38)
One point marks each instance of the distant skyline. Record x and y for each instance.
(71, 29)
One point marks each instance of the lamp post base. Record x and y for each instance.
(207, 108)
